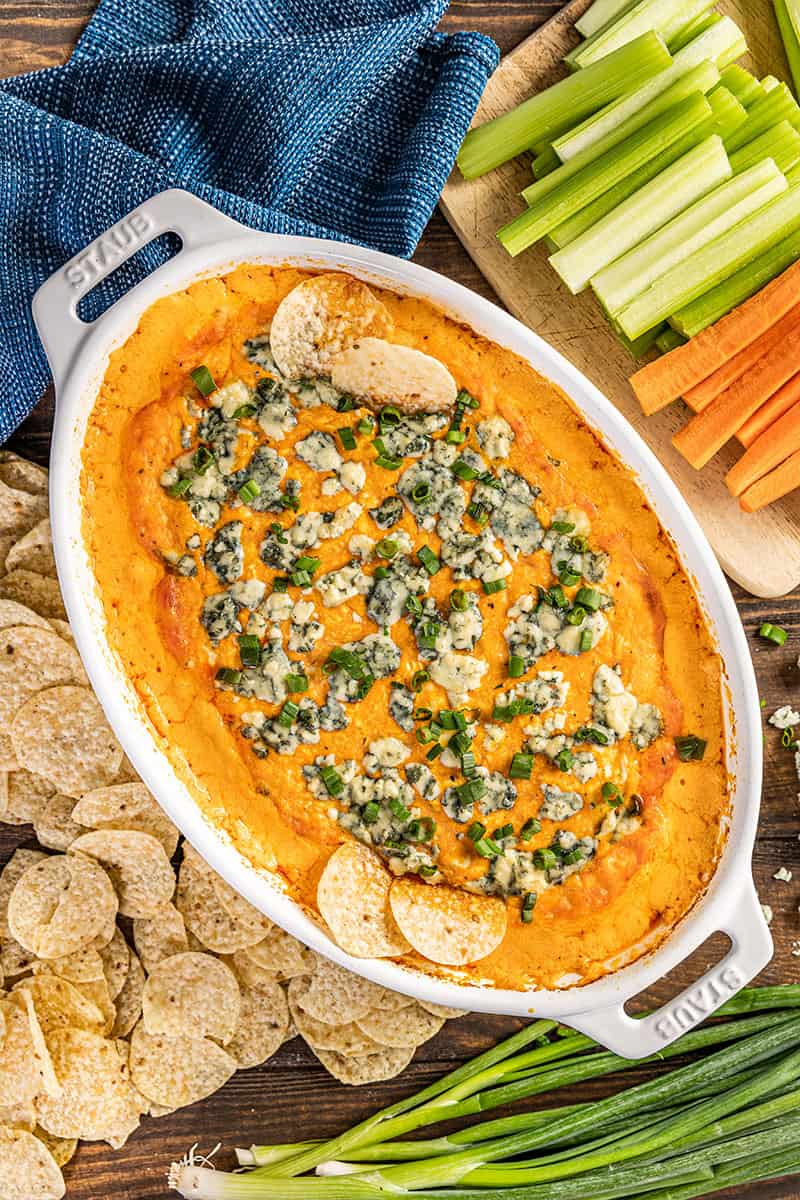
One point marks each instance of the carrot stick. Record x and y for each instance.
(662, 381)
(768, 488)
(701, 395)
(770, 412)
(768, 451)
(709, 430)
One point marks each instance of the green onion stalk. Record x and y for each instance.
(725, 1119)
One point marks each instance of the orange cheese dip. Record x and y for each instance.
(648, 826)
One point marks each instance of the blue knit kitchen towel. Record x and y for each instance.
(334, 118)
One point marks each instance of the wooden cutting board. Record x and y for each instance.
(760, 551)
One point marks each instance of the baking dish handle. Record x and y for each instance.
(55, 304)
(750, 951)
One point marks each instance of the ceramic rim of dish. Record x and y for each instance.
(213, 244)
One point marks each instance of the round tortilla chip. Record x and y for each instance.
(50, 1083)
(137, 865)
(39, 592)
(22, 474)
(245, 915)
(129, 999)
(27, 796)
(12, 613)
(443, 1010)
(62, 1149)
(20, 1074)
(191, 995)
(20, 509)
(174, 1072)
(32, 659)
(14, 869)
(336, 996)
(60, 1004)
(18, 1116)
(378, 373)
(97, 1101)
(116, 958)
(62, 733)
(15, 960)
(353, 899)
(34, 551)
(445, 925)
(198, 902)
(84, 966)
(282, 955)
(28, 1170)
(346, 1039)
(319, 318)
(159, 936)
(96, 990)
(127, 806)
(54, 826)
(60, 904)
(413, 1027)
(263, 1025)
(366, 1068)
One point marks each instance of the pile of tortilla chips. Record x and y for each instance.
(129, 986)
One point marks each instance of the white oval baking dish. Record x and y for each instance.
(78, 354)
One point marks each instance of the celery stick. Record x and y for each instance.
(740, 286)
(680, 185)
(642, 344)
(670, 339)
(781, 142)
(787, 14)
(645, 15)
(601, 13)
(706, 220)
(777, 105)
(617, 121)
(692, 13)
(556, 205)
(714, 263)
(693, 30)
(545, 162)
(744, 86)
(769, 83)
(727, 114)
(556, 109)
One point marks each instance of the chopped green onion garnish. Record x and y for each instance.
(576, 616)
(528, 905)
(421, 492)
(529, 829)
(521, 766)
(611, 793)
(244, 410)
(347, 437)
(487, 848)
(300, 578)
(202, 459)
(490, 586)
(556, 598)
(278, 532)
(423, 714)
(459, 601)
(229, 676)
(463, 470)
(587, 733)
(787, 738)
(425, 735)
(414, 605)
(773, 633)
(691, 748)
(418, 680)
(249, 490)
(306, 563)
(345, 404)
(280, 584)
(572, 856)
(468, 764)
(180, 487)
(421, 830)
(435, 751)
(370, 813)
(479, 512)
(289, 501)
(578, 544)
(386, 547)
(203, 380)
(427, 633)
(588, 598)
(381, 573)
(249, 649)
(587, 640)
(455, 437)
(460, 743)
(349, 662)
(428, 872)
(562, 526)
(399, 809)
(476, 831)
(564, 759)
(568, 578)
(288, 714)
(520, 707)
(471, 791)
(428, 559)
(365, 425)
(296, 683)
(516, 666)
(390, 417)
(544, 859)
(332, 780)
(505, 831)
(388, 463)
(451, 718)
(465, 400)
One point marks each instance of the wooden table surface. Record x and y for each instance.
(292, 1097)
